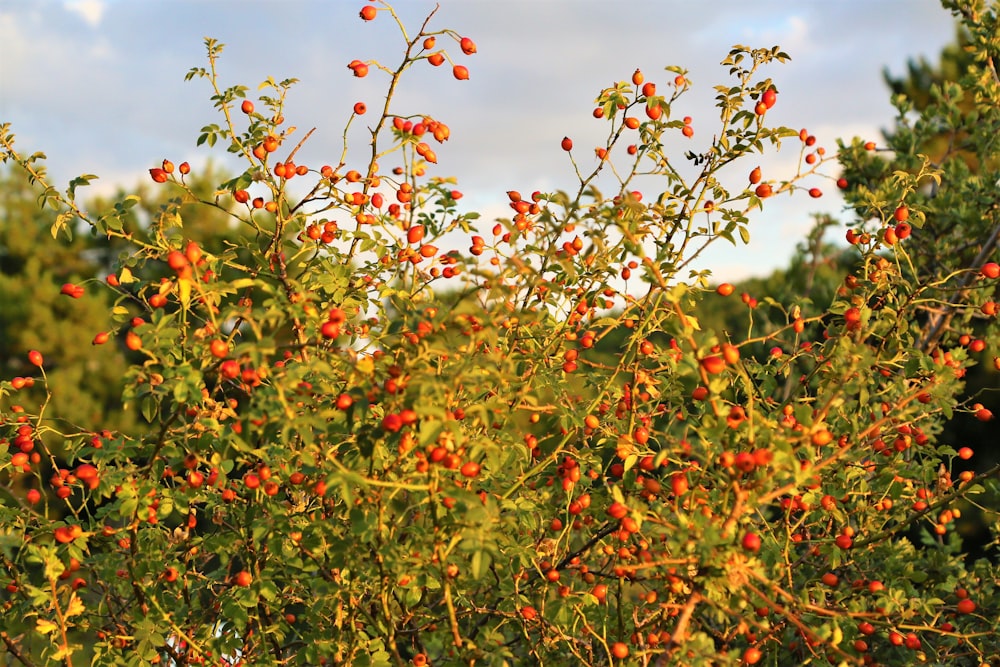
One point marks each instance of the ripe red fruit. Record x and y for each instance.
(468, 46)
(679, 484)
(725, 289)
(901, 214)
(176, 260)
(763, 191)
(193, 252)
(751, 542)
(219, 348)
(71, 290)
(66, 534)
(415, 234)
(730, 353)
(368, 13)
(769, 97)
(470, 469)
(755, 176)
(619, 650)
(35, 357)
(195, 479)
(844, 541)
(617, 510)
(713, 364)
(966, 606)
(392, 422)
(359, 68)
(247, 107)
(158, 175)
(242, 578)
(815, 193)
(230, 369)
(687, 130)
(567, 144)
(344, 401)
(100, 339)
(461, 72)
(360, 108)
(842, 183)
(990, 270)
(436, 59)
(752, 655)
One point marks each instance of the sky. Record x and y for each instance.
(98, 85)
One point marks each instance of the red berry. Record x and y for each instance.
(617, 510)
(966, 606)
(461, 72)
(35, 357)
(247, 107)
(468, 46)
(176, 260)
(567, 144)
(368, 13)
(713, 364)
(770, 97)
(751, 542)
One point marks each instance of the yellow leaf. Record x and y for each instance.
(63, 653)
(45, 626)
(365, 365)
(184, 291)
(125, 276)
(75, 607)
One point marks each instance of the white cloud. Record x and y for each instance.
(91, 11)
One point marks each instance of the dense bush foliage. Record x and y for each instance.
(379, 430)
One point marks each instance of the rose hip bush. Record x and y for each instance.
(382, 431)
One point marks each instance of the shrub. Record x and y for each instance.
(381, 431)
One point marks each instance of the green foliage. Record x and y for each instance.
(364, 445)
